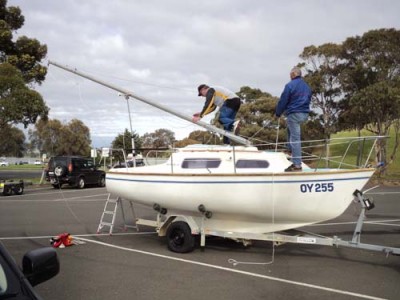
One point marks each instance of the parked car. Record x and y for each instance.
(4, 163)
(37, 266)
(37, 162)
(74, 170)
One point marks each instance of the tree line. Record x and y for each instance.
(356, 86)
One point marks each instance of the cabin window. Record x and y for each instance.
(201, 163)
(252, 164)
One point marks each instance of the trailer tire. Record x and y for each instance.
(19, 189)
(6, 191)
(180, 238)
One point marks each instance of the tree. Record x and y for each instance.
(161, 138)
(15, 141)
(323, 67)
(355, 83)
(199, 137)
(257, 115)
(381, 102)
(18, 103)
(19, 66)
(371, 81)
(25, 53)
(123, 141)
(74, 139)
(46, 136)
(249, 94)
(204, 137)
(54, 138)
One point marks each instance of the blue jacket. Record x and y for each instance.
(296, 97)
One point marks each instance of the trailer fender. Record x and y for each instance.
(192, 222)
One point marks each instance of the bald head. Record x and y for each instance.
(295, 72)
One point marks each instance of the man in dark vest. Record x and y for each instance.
(228, 103)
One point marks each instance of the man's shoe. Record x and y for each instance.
(236, 127)
(293, 168)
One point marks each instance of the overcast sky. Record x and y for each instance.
(164, 49)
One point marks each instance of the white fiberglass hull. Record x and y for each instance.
(245, 202)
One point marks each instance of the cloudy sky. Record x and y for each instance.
(163, 49)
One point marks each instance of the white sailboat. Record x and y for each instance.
(239, 192)
(245, 189)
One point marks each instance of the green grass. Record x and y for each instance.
(393, 171)
(22, 167)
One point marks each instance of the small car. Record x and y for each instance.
(38, 265)
(75, 171)
(4, 163)
(37, 162)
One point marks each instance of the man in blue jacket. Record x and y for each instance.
(295, 104)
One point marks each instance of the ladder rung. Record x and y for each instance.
(108, 212)
(105, 223)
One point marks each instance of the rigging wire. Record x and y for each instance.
(272, 196)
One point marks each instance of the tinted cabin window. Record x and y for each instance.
(58, 161)
(90, 164)
(252, 164)
(201, 163)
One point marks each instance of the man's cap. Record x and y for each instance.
(200, 87)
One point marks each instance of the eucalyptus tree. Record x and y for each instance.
(15, 145)
(55, 138)
(371, 82)
(161, 138)
(20, 70)
(24, 53)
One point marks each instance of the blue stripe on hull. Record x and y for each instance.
(235, 182)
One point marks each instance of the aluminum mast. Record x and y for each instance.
(209, 127)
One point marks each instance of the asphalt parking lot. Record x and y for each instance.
(138, 265)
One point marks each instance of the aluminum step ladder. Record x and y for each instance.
(110, 213)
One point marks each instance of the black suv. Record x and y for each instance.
(74, 170)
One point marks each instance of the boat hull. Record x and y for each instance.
(246, 202)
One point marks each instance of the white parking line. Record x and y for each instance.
(52, 192)
(82, 198)
(291, 282)
(235, 270)
(74, 235)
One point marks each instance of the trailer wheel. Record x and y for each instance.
(19, 189)
(6, 191)
(180, 238)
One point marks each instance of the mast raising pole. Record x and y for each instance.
(127, 93)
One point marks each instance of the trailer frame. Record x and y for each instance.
(163, 223)
(9, 187)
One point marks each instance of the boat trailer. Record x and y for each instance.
(7, 187)
(180, 231)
